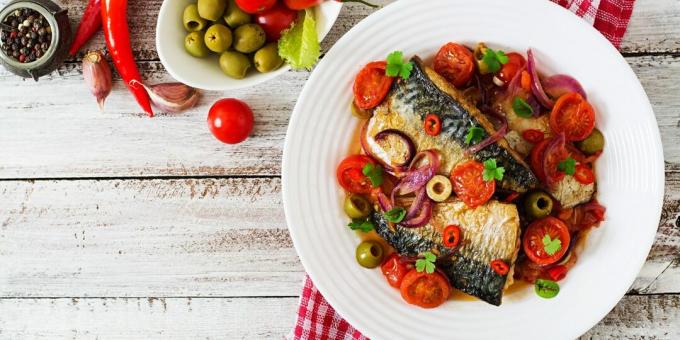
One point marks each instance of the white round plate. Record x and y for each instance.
(205, 73)
(630, 172)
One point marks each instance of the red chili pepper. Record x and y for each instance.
(557, 273)
(500, 267)
(432, 124)
(513, 196)
(90, 23)
(114, 20)
(451, 236)
(533, 136)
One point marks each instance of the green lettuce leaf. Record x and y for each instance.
(299, 45)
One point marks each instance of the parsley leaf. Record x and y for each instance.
(374, 173)
(494, 60)
(522, 108)
(492, 171)
(568, 166)
(551, 246)
(395, 215)
(364, 225)
(475, 135)
(396, 66)
(546, 289)
(426, 264)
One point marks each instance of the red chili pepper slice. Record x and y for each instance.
(584, 174)
(432, 124)
(90, 23)
(533, 136)
(451, 236)
(500, 267)
(513, 196)
(557, 273)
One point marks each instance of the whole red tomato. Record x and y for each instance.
(276, 20)
(230, 120)
(301, 4)
(255, 6)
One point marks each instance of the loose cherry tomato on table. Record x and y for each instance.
(255, 6)
(351, 176)
(425, 290)
(455, 63)
(509, 70)
(394, 270)
(371, 85)
(534, 244)
(230, 120)
(469, 184)
(432, 124)
(451, 236)
(276, 20)
(573, 116)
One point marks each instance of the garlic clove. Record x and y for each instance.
(173, 97)
(97, 76)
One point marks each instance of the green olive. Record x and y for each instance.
(267, 58)
(211, 9)
(369, 254)
(191, 20)
(218, 38)
(439, 188)
(592, 144)
(195, 45)
(357, 206)
(235, 16)
(479, 53)
(538, 204)
(359, 112)
(234, 64)
(249, 38)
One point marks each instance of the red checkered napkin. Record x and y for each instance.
(316, 319)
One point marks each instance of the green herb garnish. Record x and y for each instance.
(426, 264)
(551, 246)
(374, 173)
(364, 225)
(546, 289)
(494, 60)
(568, 166)
(522, 108)
(395, 215)
(492, 171)
(474, 135)
(396, 66)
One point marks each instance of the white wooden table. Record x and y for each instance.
(113, 225)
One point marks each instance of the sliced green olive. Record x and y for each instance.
(593, 144)
(439, 188)
(369, 254)
(479, 53)
(538, 205)
(357, 206)
(360, 113)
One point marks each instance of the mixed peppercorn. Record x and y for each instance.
(29, 38)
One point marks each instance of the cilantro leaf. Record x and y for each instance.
(374, 173)
(494, 60)
(299, 45)
(568, 166)
(395, 215)
(474, 135)
(551, 246)
(492, 171)
(364, 225)
(522, 108)
(546, 289)
(426, 264)
(396, 66)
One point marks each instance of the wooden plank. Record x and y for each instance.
(654, 27)
(188, 237)
(57, 133)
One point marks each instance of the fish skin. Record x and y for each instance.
(427, 92)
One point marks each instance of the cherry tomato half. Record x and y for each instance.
(230, 120)
(350, 174)
(573, 116)
(584, 175)
(455, 63)
(469, 184)
(394, 270)
(301, 4)
(509, 70)
(533, 136)
(425, 290)
(451, 236)
(534, 236)
(500, 267)
(432, 124)
(255, 6)
(371, 85)
(555, 152)
(536, 159)
(276, 20)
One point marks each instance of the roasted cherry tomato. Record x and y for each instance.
(536, 159)
(255, 6)
(350, 174)
(394, 269)
(533, 136)
(509, 70)
(469, 184)
(276, 20)
(584, 174)
(557, 273)
(371, 85)
(432, 124)
(573, 116)
(500, 267)
(451, 236)
(425, 290)
(230, 120)
(534, 239)
(455, 63)
(555, 152)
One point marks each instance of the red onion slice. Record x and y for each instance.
(535, 106)
(415, 179)
(393, 169)
(500, 133)
(422, 218)
(411, 149)
(559, 84)
(536, 86)
(384, 202)
(417, 204)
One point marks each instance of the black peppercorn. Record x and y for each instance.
(30, 37)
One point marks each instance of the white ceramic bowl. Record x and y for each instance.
(205, 73)
(630, 172)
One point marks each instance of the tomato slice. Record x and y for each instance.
(425, 290)
(500, 267)
(432, 124)
(533, 136)
(555, 152)
(534, 236)
(584, 174)
(451, 236)
(371, 85)
(509, 70)
(470, 186)
(573, 116)
(455, 63)
(394, 270)
(350, 174)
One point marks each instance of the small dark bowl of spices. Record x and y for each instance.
(34, 37)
